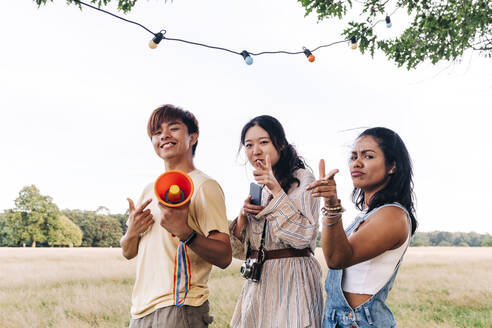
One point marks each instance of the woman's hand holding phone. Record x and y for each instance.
(242, 220)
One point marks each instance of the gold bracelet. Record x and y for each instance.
(331, 210)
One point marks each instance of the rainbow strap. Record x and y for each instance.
(181, 260)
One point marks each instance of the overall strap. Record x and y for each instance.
(361, 217)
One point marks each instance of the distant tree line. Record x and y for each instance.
(444, 238)
(37, 221)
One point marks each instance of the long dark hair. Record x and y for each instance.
(288, 161)
(400, 185)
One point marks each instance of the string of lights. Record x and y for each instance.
(247, 55)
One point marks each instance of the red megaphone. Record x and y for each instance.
(173, 188)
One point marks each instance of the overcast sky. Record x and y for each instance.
(77, 88)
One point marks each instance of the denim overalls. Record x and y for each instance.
(372, 313)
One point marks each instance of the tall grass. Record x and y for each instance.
(84, 287)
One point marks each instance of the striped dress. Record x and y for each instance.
(289, 293)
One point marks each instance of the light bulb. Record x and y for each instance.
(152, 44)
(247, 57)
(309, 55)
(353, 40)
(155, 41)
(388, 22)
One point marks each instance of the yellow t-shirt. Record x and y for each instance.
(157, 249)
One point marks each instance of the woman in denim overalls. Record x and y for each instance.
(364, 259)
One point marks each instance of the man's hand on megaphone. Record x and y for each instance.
(175, 220)
(264, 176)
(139, 220)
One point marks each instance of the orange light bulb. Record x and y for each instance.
(308, 54)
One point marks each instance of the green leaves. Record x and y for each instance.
(326, 9)
(33, 220)
(440, 30)
(363, 34)
(123, 5)
(98, 230)
(37, 220)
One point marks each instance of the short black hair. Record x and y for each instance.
(166, 113)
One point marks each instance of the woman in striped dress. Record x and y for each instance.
(289, 292)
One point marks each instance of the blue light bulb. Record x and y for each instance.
(388, 22)
(247, 57)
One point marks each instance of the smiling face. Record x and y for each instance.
(368, 166)
(172, 141)
(257, 144)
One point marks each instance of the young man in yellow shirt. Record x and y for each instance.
(155, 231)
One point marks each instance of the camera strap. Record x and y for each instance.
(261, 252)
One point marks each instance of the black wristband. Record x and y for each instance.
(190, 238)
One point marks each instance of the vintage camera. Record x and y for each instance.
(251, 269)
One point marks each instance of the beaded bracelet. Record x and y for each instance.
(332, 210)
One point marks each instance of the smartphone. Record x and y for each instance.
(255, 192)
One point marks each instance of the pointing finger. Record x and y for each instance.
(332, 173)
(144, 205)
(131, 206)
(260, 166)
(268, 162)
(322, 169)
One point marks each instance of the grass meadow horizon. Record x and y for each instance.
(91, 287)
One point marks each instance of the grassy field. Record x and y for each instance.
(42, 287)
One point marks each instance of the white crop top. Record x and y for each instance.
(370, 276)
